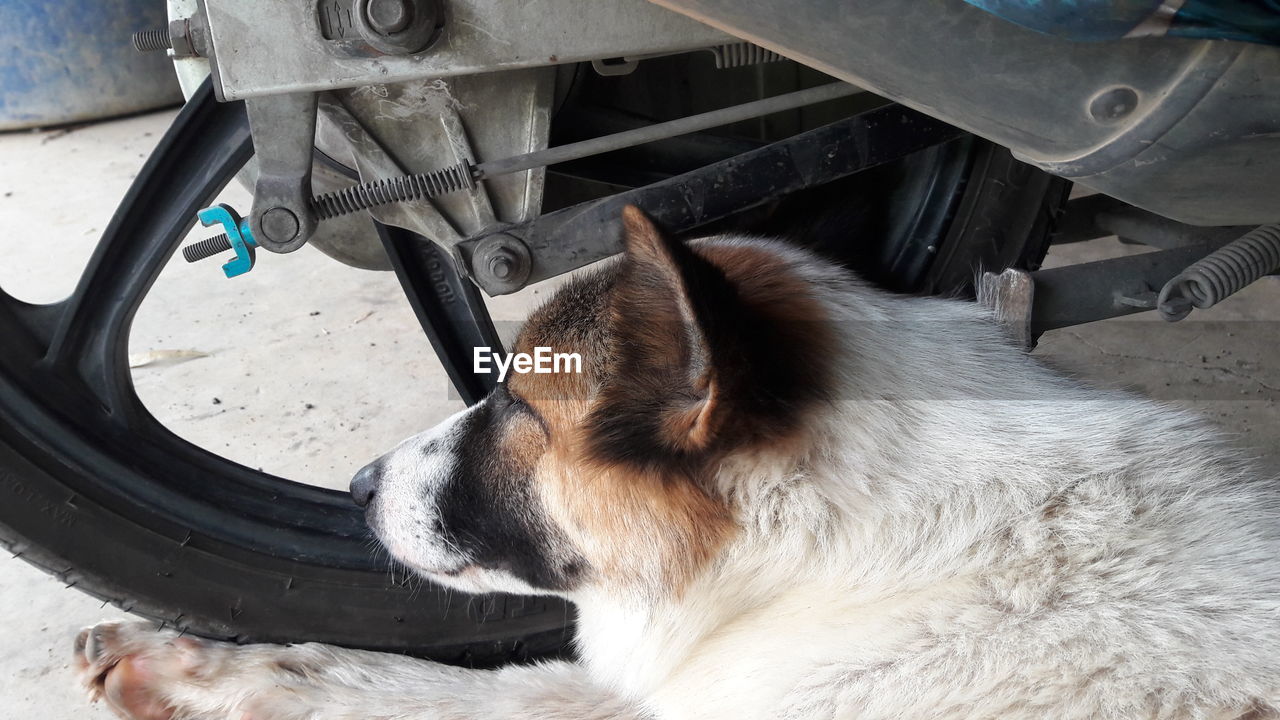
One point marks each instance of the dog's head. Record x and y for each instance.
(605, 476)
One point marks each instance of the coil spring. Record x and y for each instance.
(392, 190)
(1224, 272)
(151, 40)
(733, 55)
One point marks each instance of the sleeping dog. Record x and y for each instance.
(774, 492)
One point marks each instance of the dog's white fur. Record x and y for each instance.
(969, 535)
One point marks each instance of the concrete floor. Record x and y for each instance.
(303, 367)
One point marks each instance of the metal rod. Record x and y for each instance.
(681, 126)
(464, 175)
(1097, 216)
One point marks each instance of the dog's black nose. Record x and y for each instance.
(365, 483)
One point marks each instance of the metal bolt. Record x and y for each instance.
(151, 40)
(183, 37)
(502, 266)
(279, 224)
(501, 263)
(389, 16)
(206, 248)
(399, 27)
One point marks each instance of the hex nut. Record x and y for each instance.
(501, 264)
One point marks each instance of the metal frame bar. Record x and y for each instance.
(1184, 128)
(1098, 216)
(1088, 292)
(267, 48)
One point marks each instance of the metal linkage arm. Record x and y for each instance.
(284, 128)
(285, 215)
(574, 237)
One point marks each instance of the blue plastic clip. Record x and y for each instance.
(238, 234)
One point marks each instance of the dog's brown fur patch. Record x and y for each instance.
(638, 529)
(689, 354)
(716, 347)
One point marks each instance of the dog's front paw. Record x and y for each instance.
(134, 667)
(143, 673)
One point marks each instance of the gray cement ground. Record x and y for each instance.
(356, 375)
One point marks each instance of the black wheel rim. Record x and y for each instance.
(65, 384)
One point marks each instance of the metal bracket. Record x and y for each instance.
(1084, 293)
(1028, 304)
(265, 48)
(374, 162)
(506, 260)
(429, 124)
(284, 130)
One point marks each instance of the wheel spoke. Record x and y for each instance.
(449, 308)
(203, 148)
(34, 319)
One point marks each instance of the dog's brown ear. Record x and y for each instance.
(665, 398)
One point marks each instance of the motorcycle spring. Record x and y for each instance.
(393, 190)
(1222, 273)
(732, 55)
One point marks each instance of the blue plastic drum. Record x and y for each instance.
(64, 61)
(1098, 20)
